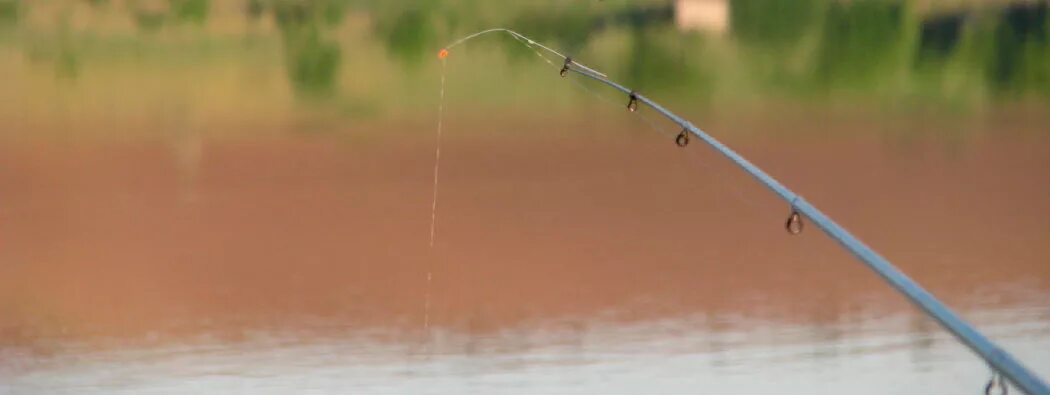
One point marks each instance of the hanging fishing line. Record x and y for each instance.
(437, 154)
(434, 199)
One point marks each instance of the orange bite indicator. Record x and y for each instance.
(442, 54)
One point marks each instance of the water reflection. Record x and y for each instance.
(201, 257)
(612, 359)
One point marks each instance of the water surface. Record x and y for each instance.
(224, 201)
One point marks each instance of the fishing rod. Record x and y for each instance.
(1002, 363)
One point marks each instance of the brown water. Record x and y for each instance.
(572, 255)
(235, 196)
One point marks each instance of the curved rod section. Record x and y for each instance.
(996, 357)
(999, 359)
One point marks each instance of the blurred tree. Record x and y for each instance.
(255, 9)
(333, 11)
(67, 65)
(9, 12)
(650, 64)
(569, 29)
(658, 62)
(193, 11)
(1020, 61)
(98, 3)
(329, 13)
(939, 36)
(149, 15)
(409, 36)
(862, 41)
(773, 24)
(312, 61)
(943, 71)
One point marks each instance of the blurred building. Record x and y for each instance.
(702, 15)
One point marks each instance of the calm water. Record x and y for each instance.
(235, 197)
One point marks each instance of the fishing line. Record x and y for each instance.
(437, 155)
(434, 199)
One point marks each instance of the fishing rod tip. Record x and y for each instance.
(443, 53)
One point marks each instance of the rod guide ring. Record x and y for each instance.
(565, 68)
(996, 382)
(632, 102)
(683, 138)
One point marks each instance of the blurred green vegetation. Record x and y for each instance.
(98, 3)
(1019, 53)
(195, 11)
(311, 58)
(409, 36)
(862, 44)
(9, 12)
(774, 24)
(866, 53)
